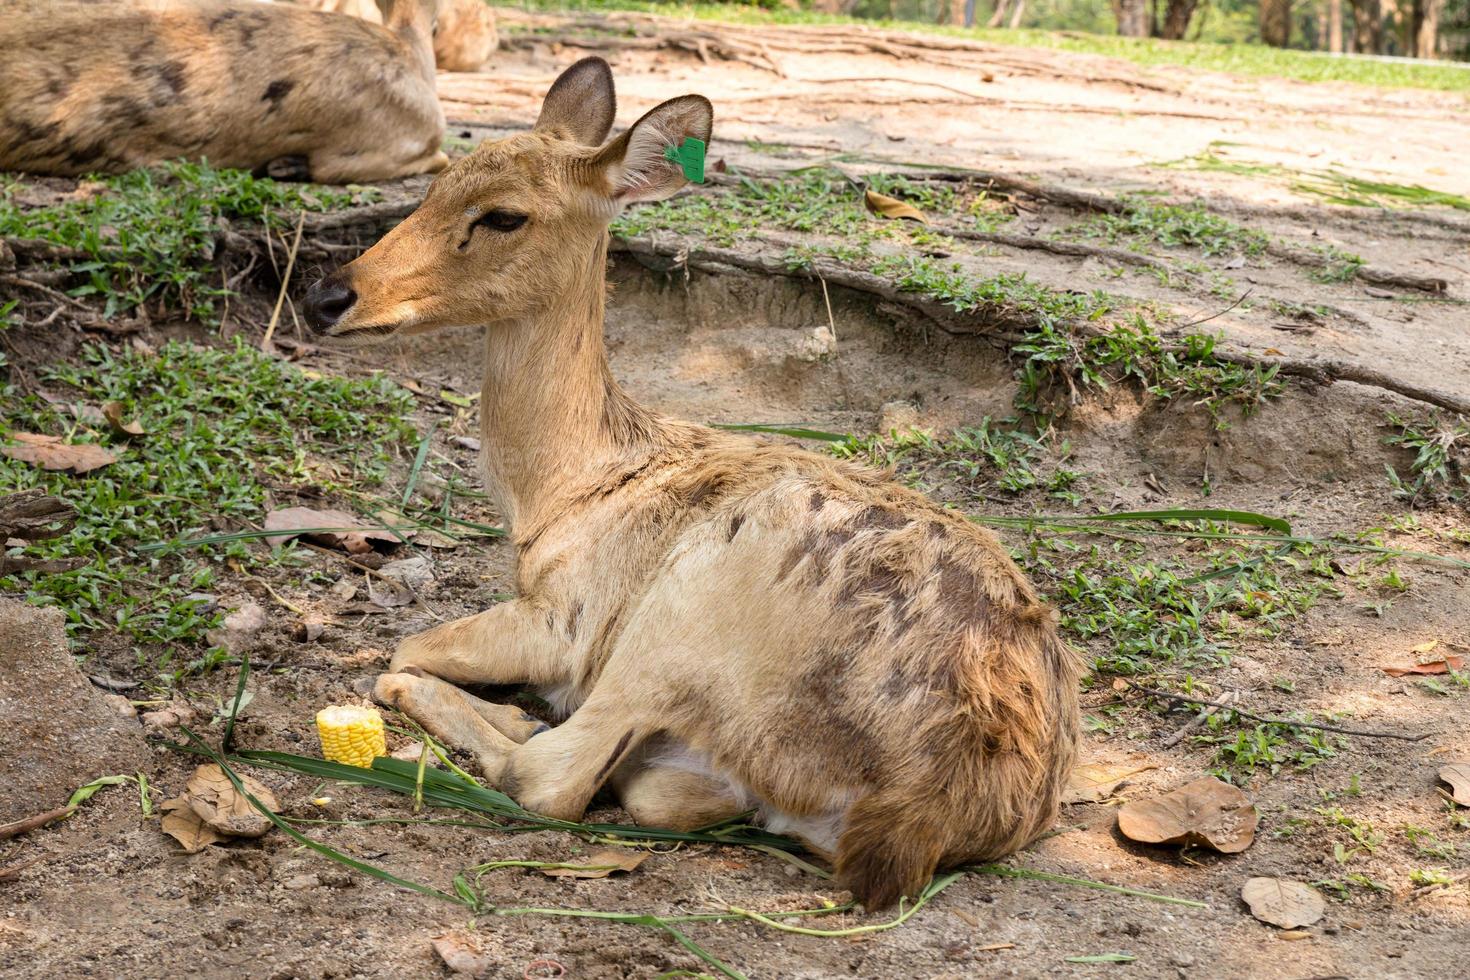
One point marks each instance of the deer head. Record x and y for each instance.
(505, 232)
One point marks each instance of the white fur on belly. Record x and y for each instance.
(821, 830)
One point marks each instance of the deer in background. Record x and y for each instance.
(725, 624)
(293, 93)
(464, 34)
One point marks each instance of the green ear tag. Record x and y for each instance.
(689, 156)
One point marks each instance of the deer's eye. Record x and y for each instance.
(502, 221)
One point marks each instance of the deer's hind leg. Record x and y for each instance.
(673, 796)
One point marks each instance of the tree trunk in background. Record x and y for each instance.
(1176, 19)
(956, 16)
(1366, 33)
(1426, 42)
(1334, 26)
(1133, 18)
(1017, 10)
(1276, 22)
(1393, 28)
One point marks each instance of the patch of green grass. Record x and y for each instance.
(1341, 265)
(1441, 466)
(1146, 222)
(1058, 358)
(1332, 185)
(151, 234)
(1241, 59)
(1243, 751)
(1142, 612)
(1004, 456)
(223, 428)
(1426, 843)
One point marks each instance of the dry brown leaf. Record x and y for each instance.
(1424, 647)
(1282, 903)
(1457, 774)
(214, 798)
(891, 207)
(599, 865)
(1206, 812)
(1432, 667)
(182, 824)
(50, 453)
(298, 520)
(113, 413)
(1095, 782)
(461, 957)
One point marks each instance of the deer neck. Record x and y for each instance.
(552, 418)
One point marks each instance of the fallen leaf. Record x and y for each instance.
(301, 520)
(1424, 647)
(1287, 904)
(113, 413)
(388, 594)
(461, 957)
(599, 865)
(891, 207)
(50, 453)
(1444, 666)
(307, 631)
(1095, 782)
(214, 798)
(1206, 812)
(182, 824)
(1457, 774)
(455, 398)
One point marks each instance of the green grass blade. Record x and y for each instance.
(418, 463)
(794, 431)
(228, 742)
(1002, 871)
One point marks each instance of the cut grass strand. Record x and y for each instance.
(1001, 871)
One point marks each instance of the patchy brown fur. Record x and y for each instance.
(756, 624)
(107, 87)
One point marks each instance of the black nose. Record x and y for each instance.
(327, 300)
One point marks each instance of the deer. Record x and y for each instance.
(464, 33)
(283, 91)
(724, 624)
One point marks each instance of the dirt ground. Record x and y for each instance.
(111, 896)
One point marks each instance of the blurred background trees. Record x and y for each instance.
(1403, 28)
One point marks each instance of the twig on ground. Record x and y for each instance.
(270, 330)
(1198, 720)
(28, 824)
(1337, 729)
(16, 867)
(1212, 316)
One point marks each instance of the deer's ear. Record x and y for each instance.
(581, 104)
(636, 165)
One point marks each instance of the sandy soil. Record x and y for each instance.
(110, 895)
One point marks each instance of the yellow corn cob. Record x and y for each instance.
(351, 735)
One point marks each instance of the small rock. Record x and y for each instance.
(208, 603)
(820, 342)
(898, 417)
(1181, 960)
(170, 717)
(344, 588)
(121, 704)
(240, 628)
(467, 442)
(301, 883)
(415, 572)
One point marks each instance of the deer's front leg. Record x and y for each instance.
(512, 643)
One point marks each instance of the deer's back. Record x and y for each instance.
(104, 87)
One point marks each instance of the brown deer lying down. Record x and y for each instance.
(88, 88)
(730, 625)
(464, 34)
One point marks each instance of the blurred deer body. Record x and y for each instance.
(464, 35)
(727, 624)
(298, 94)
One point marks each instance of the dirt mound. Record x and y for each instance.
(57, 731)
